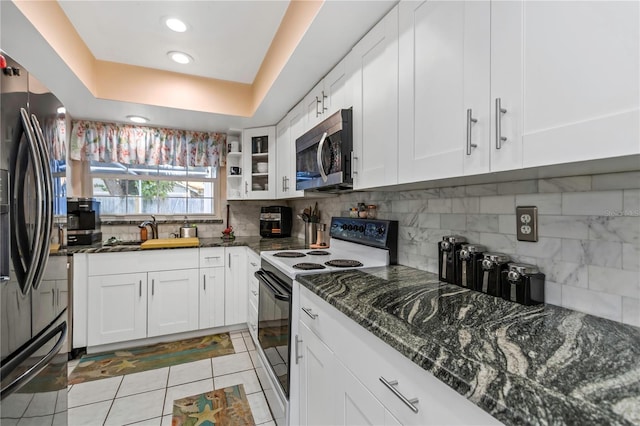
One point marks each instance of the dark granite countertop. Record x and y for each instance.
(257, 244)
(534, 365)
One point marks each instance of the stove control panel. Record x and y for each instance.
(371, 232)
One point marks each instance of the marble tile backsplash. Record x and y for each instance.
(589, 229)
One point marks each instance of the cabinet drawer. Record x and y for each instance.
(142, 261)
(253, 291)
(319, 316)
(211, 257)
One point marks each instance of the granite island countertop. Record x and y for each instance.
(532, 365)
(257, 244)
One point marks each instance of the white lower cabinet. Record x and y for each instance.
(117, 308)
(211, 297)
(356, 405)
(235, 287)
(340, 377)
(317, 380)
(173, 302)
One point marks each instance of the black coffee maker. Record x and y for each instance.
(83, 221)
(275, 221)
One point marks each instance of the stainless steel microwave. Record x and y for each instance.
(324, 155)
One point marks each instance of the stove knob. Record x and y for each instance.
(381, 230)
(344, 226)
(350, 227)
(361, 228)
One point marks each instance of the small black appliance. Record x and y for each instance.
(275, 221)
(83, 221)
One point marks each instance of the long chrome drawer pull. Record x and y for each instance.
(212, 257)
(308, 312)
(499, 112)
(392, 387)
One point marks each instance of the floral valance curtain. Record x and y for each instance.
(128, 144)
(55, 132)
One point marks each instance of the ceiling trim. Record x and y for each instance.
(129, 83)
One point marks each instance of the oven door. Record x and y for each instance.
(274, 325)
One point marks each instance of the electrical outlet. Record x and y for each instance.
(527, 223)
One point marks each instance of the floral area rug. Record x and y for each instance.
(220, 407)
(135, 360)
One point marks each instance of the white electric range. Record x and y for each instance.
(354, 243)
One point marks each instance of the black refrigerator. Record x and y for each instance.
(33, 289)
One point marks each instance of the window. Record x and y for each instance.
(59, 172)
(141, 189)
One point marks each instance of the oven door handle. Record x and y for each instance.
(272, 285)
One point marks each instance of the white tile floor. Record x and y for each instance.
(146, 398)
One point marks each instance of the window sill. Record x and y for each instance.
(169, 220)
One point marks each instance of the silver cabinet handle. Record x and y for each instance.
(499, 112)
(58, 297)
(255, 293)
(392, 387)
(253, 264)
(204, 280)
(140, 288)
(324, 108)
(286, 178)
(470, 120)
(298, 341)
(318, 102)
(353, 164)
(153, 287)
(309, 312)
(323, 175)
(53, 297)
(283, 186)
(229, 260)
(246, 187)
(212, 257)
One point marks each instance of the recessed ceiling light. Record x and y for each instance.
(137, 119)
(180, 57)
(61, 110)
(176, 25)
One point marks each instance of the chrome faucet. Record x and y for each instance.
(154, 227)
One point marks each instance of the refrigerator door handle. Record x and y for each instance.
(26, 259)
(38, 366)
(47, 200)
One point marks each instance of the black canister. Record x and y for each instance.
(447, 249)
(468, 267)
(492, 265)
(523, 283)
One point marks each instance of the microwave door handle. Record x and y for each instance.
(47, 200)
(319, 157)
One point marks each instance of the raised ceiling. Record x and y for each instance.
(227, 39)
(112, 88)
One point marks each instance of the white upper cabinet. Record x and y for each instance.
(581, 80)
(373, 63)
(259, 151)
(431, 89)
(328, 96)
(290, 128)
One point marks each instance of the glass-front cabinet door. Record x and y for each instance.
(259, 158)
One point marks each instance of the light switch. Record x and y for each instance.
(527, 223)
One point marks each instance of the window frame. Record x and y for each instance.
(194, 217)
